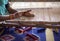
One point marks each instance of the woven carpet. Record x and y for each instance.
(13, 36)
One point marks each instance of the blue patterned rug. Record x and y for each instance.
(20, 37)
(39, 32)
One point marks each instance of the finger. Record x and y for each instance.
(28, 11)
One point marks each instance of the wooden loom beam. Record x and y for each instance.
(31, 24)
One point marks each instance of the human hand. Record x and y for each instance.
(19, 14)
(26, 13)
(15, 15)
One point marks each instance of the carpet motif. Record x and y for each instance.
(7, 38)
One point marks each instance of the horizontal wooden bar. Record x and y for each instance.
(34, 22)
(31, 24)
(34, 0)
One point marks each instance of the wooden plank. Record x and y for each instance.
(31, 24)
(46, 14)
(55, 14)
(34, 0)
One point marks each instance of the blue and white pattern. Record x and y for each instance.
(40, 34)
